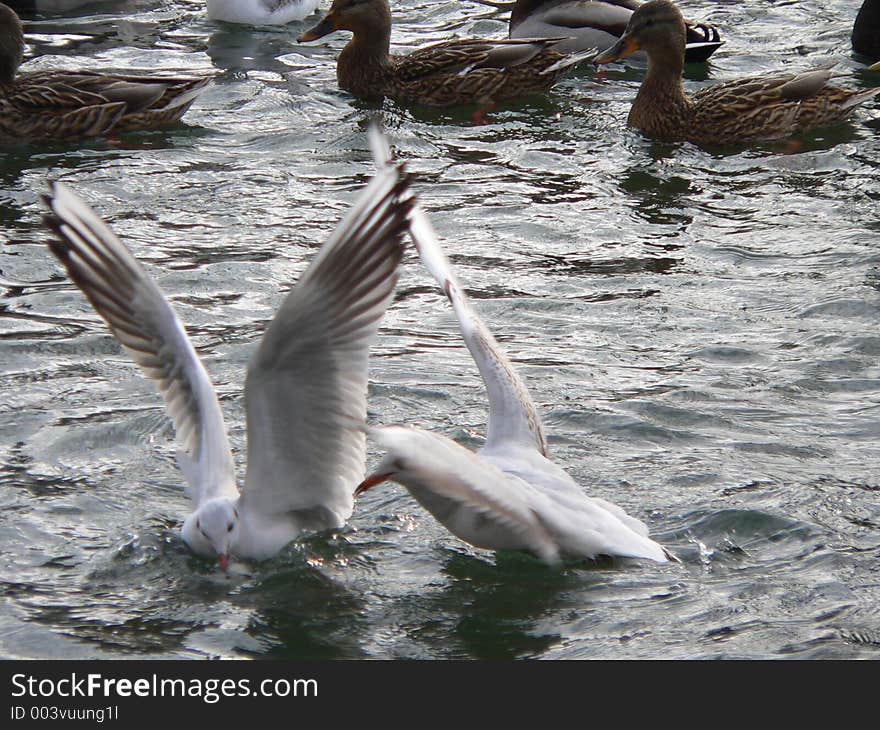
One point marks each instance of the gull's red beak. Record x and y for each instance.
(371, 481)
(223, 561)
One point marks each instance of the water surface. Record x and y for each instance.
(698, 328)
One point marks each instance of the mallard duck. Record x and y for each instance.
(588, 24)
(63, 105)
(758, 107)
(462, 71)
(866, 30)
(260, 12)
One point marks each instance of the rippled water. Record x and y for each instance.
(700, 329)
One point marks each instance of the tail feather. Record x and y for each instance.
(860, 98)
(571, 59)
(188, 95)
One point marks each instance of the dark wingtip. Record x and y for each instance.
(698, 52)
(670, 556)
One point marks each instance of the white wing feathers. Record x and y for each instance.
(513, 418)
(307, 382)
(143, 322)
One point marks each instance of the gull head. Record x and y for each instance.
(389, 467)
(412, 456)
(212, 529)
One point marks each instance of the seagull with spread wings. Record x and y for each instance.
(306, 384)
(508, 495)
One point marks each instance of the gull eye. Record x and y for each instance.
(229, 527)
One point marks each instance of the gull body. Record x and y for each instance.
(260, 12)
(305, 391)
(509, 494)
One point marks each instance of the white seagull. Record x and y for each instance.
(260, 12)
(306, 386)
(508, 495)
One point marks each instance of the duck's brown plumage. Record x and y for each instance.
(62, 105)
(758, 107)
(461, 71)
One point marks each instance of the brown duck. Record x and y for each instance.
(758, 107)
(62, 105)
(462, 71)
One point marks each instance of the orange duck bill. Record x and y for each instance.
(624, 47)
(325, 27)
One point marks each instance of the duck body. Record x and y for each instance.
(733, 112)
(461, 71)
(588, 24)
(454, 72)
(63, 105)
(260, 12)
(766, 107)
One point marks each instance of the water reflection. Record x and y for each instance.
(241, 48)
(300, 612)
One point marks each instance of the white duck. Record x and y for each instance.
(305, 392)
(260, 12)
(508, 495)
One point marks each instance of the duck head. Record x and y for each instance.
(11, 44)
(657, 27)
(361, 17)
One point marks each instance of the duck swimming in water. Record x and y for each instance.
(64, 105)
(753, 108)
(461, 71)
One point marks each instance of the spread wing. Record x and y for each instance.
(307, 382)
(513, 418)
(141, 318)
